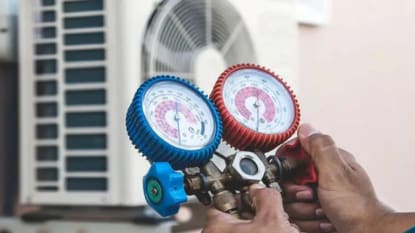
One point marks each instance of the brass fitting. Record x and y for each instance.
(244, 168)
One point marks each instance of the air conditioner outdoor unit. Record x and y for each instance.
(82, 60)
(8, 21)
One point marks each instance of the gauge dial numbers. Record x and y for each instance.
(259, 110)
(178, 115)
(171, 120)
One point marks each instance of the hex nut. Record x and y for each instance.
(235, 165)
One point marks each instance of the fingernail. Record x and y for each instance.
(320, 212)
(292, 142)
(256, 186)
(304, 195)
(326, 227)
(306, 130)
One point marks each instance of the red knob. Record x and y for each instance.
(308, 173)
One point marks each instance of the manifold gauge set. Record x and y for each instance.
(178, 129)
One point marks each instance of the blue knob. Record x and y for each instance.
(164, 189)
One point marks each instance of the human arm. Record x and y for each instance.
(345, 191)
(304, 210)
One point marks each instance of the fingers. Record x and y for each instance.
(350, 160)
(315, 226)
(293, 192)
(320, 147)
(304, 211)
(219, 222)
(214, 216)
(267, 203)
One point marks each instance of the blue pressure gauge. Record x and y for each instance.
(171, 120)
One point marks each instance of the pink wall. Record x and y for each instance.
(357, 83)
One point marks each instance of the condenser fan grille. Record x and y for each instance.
(181, 29)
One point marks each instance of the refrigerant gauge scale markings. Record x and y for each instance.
(259, 110)
(171, 120)
(178, 116)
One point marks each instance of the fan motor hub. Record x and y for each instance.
(208, 64)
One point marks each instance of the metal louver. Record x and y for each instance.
(181, 30)
(83, 61)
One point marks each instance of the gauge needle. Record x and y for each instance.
(177, 119)
(256, 105)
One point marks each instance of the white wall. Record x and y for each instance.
(357, 83)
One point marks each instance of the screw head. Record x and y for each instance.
(154, 191)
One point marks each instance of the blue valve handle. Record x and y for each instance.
(164, 188)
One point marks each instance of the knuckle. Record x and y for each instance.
(266, 194)
(347, 155)
(321, 141)
(320, 144)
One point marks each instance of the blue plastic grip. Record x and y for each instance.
(164, 189)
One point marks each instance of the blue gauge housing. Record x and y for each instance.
(155, 148)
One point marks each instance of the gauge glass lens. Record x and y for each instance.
(248, 166)
(259, 101)
(179, 115)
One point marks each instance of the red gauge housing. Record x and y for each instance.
(240, 136)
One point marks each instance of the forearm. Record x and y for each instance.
(395, 222)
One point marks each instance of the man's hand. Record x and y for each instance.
(301, 204)
(270, 216)
(344, 189)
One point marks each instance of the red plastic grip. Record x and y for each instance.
(293, 149)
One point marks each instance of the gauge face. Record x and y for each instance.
(259, 101)
(179, 115)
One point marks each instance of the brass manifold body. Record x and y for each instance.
(220, 187)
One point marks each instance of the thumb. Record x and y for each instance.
(267, 203)
(215, 215)
(320, 147)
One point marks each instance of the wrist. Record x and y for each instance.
(373, 217)
(396, 222)
(381, 224)
(380, 220)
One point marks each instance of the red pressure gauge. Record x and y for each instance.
(258, 109)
